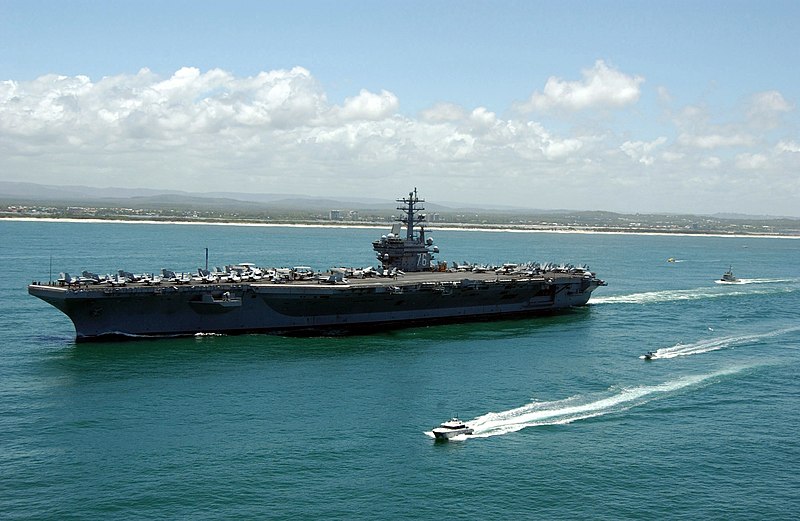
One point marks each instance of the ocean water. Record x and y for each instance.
(570, 422)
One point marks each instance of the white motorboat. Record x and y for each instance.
(450, 428)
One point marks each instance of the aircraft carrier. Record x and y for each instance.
(406, 289)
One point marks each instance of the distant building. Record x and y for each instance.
(335, 215)
(353, 215)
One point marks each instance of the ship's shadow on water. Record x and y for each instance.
(488, 328)
(498, 329)
(266, 347)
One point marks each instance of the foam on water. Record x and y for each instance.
(560, 412)
(756, 281)
(704, 346)
(651, 297)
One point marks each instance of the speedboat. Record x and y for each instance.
(728, 276)
(649, 355)
(453, 427)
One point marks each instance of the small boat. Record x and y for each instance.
(671, 259)
(728, 276)
(649, 355)
(453, 427)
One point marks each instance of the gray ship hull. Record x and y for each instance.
(408, 290)
(311, 307)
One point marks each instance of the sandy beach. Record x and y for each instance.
(438, 226)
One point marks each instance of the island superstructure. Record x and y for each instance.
(410, 253)
(407, 289)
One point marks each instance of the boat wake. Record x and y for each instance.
(704, 346)
(651, 297)
(756, 281)
(561, 412)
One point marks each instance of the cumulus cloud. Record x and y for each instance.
(770, 101)
(561, 148)
(673, 157)
(443, 112)
(747, 123)
(602, 87)
(642, 151)
(483, 118)
(788, 146)
(212, 130)
(710, 162)
(368, 106)
(751, 161)
(766, 109)
(145, 107)
(711, 141)
(258, 128)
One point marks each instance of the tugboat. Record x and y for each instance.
(453, 427)
(728, 276)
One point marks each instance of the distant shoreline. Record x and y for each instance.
(440, 226)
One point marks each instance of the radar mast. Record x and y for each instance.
(414, 252)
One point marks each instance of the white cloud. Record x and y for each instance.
(672, 157)
(212, 130)
(751, 161)
(443, 112)
(642, 151)
(601, 87)
(788, 146)
(771, 101)
(766, 109)
(712, 141)
(368, 106)
(745, 125)
(483, 118)
(559, 149)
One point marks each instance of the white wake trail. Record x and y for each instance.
(652, 297)
(759, 281)
(714, 344)
(581, 407)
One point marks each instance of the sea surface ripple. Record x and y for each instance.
(569, 422)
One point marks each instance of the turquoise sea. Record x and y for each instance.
(570, 422)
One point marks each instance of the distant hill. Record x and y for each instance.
(137, 197)
(748, 217)
(22, 192)
(32, 193)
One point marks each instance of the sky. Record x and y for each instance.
(624, 106)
